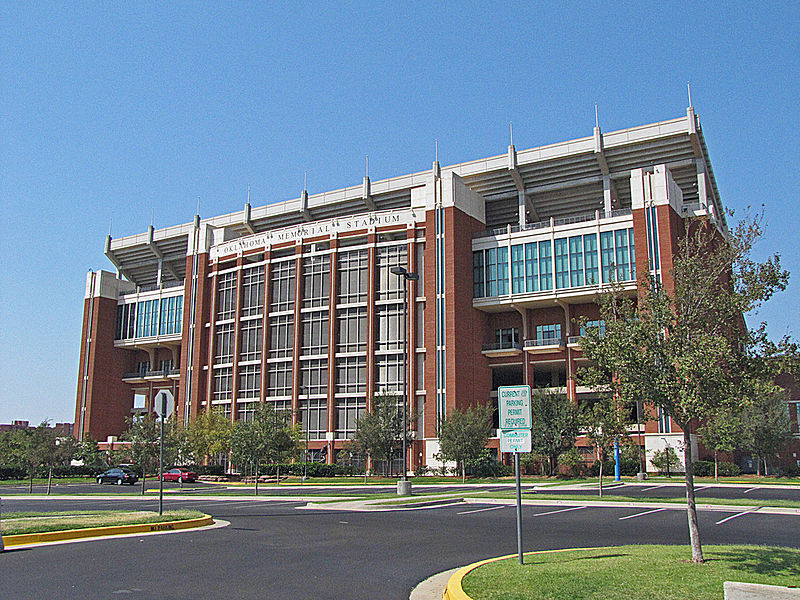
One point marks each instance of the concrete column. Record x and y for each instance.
(608, 200)
(298, 331)
(702, 191)
(332, 329)
(236, 340)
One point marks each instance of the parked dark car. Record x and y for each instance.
(179, 474)
(119, 476)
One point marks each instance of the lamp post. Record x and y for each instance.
(404, 486)
(667, 456)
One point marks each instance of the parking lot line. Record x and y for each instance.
(469, 512)
(641, 514)
(552, 512)
(739, 514)
(655, 487)
(749, 490)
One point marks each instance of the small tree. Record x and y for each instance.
(263, 439)
(143, 434)
(380, 432)
(209, 435)
(723, 433)
(463, 435)
(665, 460)
(88, 451)
(555, 425)
(766, 428)
(604, 422)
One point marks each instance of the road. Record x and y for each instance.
(275, 549)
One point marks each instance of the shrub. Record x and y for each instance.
(704, 468)
(728, 469)
(486, 466)
(572, 459)
(206, 469)
(13, 472)
(790, 471)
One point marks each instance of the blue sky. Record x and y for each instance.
(113, 114)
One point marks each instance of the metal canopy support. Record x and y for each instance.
(246, 221)
(110, 256)
(610, 196)
(366, 194)
(307, 216)
(162, 263)
(525, 202)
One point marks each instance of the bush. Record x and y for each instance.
(704, 468)
(790, 471)
(628, 467)
(486, 466)
(12, 472)
(206, 469)
(728, 469)
(572, 459)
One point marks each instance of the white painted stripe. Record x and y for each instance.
(744, 512)
(649, 512)
(655, 487)
(702, 487)
(469, 512)
(750, 490)
(552, 512)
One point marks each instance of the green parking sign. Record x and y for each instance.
(514, 402)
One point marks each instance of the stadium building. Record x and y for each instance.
(301, 303)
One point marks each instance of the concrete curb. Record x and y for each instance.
(26, 539)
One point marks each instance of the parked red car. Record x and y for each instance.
(184, 475)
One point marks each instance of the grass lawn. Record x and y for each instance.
(632, 573)
(14, 523)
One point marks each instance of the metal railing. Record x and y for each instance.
(502, 346)
(158, 373)
(544, 342)
(598, 215)
(165, 285)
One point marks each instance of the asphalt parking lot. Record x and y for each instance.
(276, 549)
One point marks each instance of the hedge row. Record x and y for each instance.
(705, 468)
(16, 472)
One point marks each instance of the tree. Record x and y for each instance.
(683, 345)
(41, 447)
(604, 422)
(380, 432)
(144, 434)
(209, 435)
(463, 435)
(766, 428)
(723, 432)
(555, 425)
(665, 460)
(266, 438)
(88, 451)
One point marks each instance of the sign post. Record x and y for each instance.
(164, 404)
(515, 436)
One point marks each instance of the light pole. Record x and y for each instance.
(404, 486)
(666, 454)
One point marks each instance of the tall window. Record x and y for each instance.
(545, 266)
(548, 332)
(607, 256)
(314, 377)
(532, 267)
(249, 382)
(389, 372)
(223, 343)
(623, 263)
(147, 318)
(126, 321)
(352, 330)
(390, 286)
(314, 417)
(562, 263)
(576, 278)
(316, 280)
(517, 269)
(477, 274)
(507, 338)
(590, 258)
(279, 379)
(226, 296)
(281, 336)
(353, 276)
(223, 378)
(251, 340)
(348, 411)
(391, 327)
(171, 315)
(351, 375)
(315, 332)
(282, 286)
(252, 291)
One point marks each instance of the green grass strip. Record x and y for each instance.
(632, 573)
(15, 523)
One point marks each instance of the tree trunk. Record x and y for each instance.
(716, 472)
(766, 467)
(691, 508)
(143, 480)
(256, 478)
(463, 472)
(30, 486)
(758, 466)
(277, 474)
(49, 478)
(600, 481)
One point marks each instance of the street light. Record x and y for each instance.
(404, 486)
